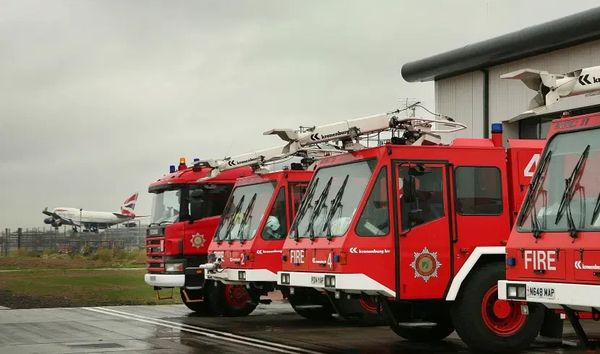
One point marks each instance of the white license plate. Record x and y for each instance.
(317, 280)
(541, 292)
(153, 232)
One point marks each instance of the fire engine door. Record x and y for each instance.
(423, 215)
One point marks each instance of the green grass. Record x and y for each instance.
(102, 258)
(82, 287)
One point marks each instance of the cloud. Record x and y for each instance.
(97, 98)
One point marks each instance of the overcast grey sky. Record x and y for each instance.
(97, 98)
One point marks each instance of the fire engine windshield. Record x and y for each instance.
(244, 212)
(188, 202)
(565, 193)
(332, 200)
(165, 206)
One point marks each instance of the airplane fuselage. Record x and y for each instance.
(89, 219)
(88, 216)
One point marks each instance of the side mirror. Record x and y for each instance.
(415, 216)
(416, 170)
(410, 189)
(197, 193)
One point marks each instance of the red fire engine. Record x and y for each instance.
(248, 243)
(553, 253)
(418, 229)
(186, 210)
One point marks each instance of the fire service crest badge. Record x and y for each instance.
(197, 240)
(425, 264)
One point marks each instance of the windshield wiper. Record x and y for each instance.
(237, 209)
(317, 210)
(303, 208)
(533, 186)
(245, 219)
(570, 184)
(571, 222)
(596, 211)
(535, 224)
(335, 204)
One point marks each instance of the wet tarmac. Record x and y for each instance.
(173, 328)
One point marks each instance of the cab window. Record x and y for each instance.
(276, 225)
(421, 194)
(375, 218)
(298, 191)
(478, 190)
(208, 201)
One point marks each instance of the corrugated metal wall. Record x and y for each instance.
(461, 97)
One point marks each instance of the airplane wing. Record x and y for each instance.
(64, 221)
(45, 211)
(129, 217)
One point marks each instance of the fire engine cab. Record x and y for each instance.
(417, 229)
(185, 213)
(553, 253)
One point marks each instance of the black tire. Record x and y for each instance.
(425, 334)
(322, 310)
(552, 326)
(480, 328)
(363, 312)
(231, 300)
(195, 301)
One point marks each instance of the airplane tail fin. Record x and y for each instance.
(127, 209)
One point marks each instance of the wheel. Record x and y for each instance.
(195, 301)
(486, 323)
(425, 334)
(231, 300)
(552, 326)
(364, 311)
(311, 304)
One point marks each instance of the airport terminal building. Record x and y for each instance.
(467, 80)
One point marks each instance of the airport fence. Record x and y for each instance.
(65, 240)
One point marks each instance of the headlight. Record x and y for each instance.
(241, 275)
(511, 291)
(174, 267)
(521, 292)
(285, 278)
(516, 291)
(330, 281)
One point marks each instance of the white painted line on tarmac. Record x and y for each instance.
(207, 332)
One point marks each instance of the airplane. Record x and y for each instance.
(91, 220)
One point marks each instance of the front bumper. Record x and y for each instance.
(241, 276)
(577, 296)
(165, 280)
(350, 283)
